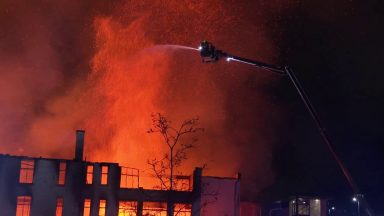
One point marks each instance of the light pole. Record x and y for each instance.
(356, 199)
(331, 209)
(210, 54)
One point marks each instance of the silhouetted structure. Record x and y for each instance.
(298, 206)
(42, 186)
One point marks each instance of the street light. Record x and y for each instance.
(331, 209)
(356, 199)
(209, 53)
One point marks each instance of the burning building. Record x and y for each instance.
(43, 186)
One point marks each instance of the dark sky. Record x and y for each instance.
(336, 49)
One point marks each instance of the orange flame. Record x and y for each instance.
(131, 77)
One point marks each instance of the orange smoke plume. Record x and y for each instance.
(133, 71)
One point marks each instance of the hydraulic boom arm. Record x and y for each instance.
(210, 54)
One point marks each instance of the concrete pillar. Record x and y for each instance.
(140, 208)
(170, 207)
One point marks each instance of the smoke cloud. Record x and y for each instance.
(105, 67)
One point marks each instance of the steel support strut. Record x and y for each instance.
(327, 139)
(319, 125)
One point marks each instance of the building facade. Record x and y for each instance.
(298, 206)
(43, 187)
(308, 206)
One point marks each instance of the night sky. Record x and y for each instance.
(336, 50)
(55, 55)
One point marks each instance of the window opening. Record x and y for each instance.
(89, 174)
(23, 206)
(155, 208)
(87, 207)
(104, 175)
(182, 209)
(26, 171)
(59, 206)
(102, 207)
(302, 205)
(127, 208)
(62, 170)
(182, 183)
(129, 177)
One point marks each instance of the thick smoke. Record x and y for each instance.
(106, 67)
(45, 49)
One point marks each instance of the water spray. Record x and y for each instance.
(209, 54)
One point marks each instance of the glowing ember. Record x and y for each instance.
(133, 74)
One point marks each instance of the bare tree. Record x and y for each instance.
(174, 138)
(179, 142)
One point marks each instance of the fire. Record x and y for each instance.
(130, 77)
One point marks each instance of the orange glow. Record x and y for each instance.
(129, 177)
(62, 170)
(104, 175)
(132, 77)
(182, 210)
(87, 207)
(102, 206)
(127, 208)
(89, 179)
(113, 70)
(59, 207)
(26, 171)
(155, 208)
(23, 206)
